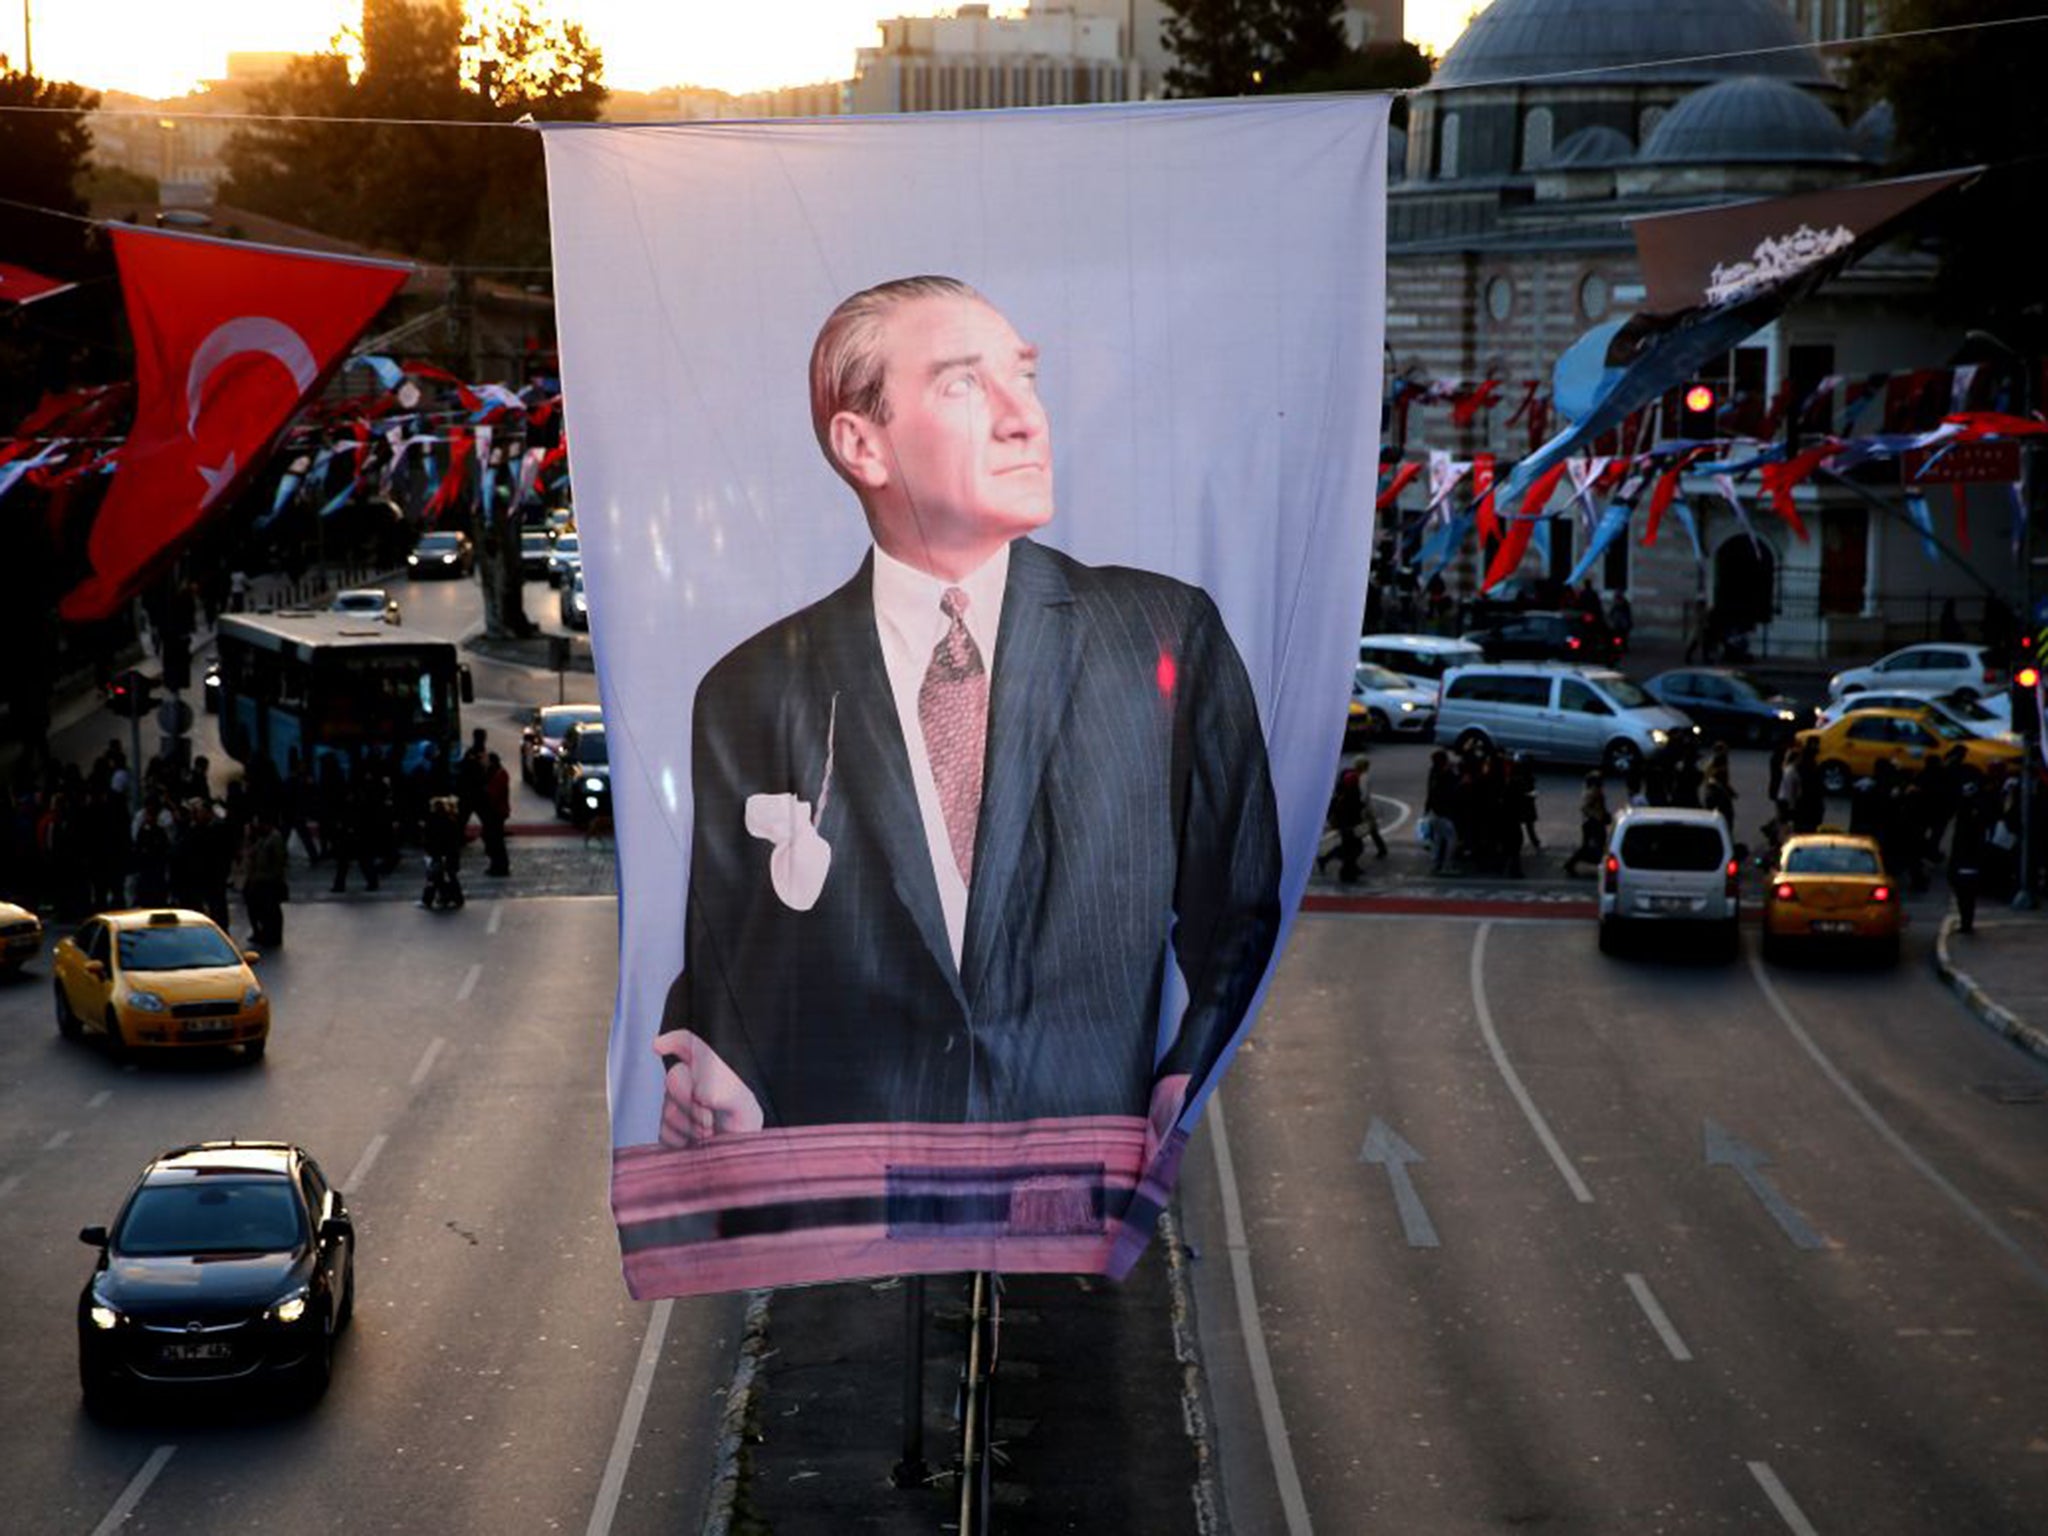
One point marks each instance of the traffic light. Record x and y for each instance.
(131, 694)
(1699, 402)
(2026, 700)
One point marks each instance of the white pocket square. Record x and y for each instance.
(801, 858)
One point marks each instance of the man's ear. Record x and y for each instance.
(859, 446)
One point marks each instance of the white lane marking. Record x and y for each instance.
(469, 983)
(1508, 1074)
(1293, 1503)
(613, 1483)
(2035, 1271)
(99, 1099)
(361, 1171)
(497, 916)
(1674, 1346)
(9, 1185)
(131, 1496)
(1781, 1501)
(1407, 810)
(427, 1059)
(57, 1139)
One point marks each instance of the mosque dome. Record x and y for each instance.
(1517, 40)
(1749, 119)
(1598, 145)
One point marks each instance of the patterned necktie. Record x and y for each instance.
(952, 709)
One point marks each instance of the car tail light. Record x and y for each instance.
(1786, 891)
(1881, 894)
(1571, 642)
(1734, 873)
(1610, 871)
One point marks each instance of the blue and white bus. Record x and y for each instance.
(323, 685)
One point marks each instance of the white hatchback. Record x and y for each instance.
(1938, 666)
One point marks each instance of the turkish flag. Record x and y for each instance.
(230, 340)
(18, 285)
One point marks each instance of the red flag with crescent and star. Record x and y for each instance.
(230, 340)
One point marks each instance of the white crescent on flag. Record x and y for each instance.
(246, 333)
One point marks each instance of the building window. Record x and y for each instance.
(1447, 147)
(1500, 298)
(1594, 296)
(1537, 129)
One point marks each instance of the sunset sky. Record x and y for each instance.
(153, 48)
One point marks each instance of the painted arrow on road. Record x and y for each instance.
(1384, 1147)
(1724, 1151)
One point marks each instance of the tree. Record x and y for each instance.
(1217, 46)
(1990, 274)
(44, 154)
(436, 172)
(1256, 47)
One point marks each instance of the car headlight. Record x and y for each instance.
(412, 559)
(579, 602)
(253, 996)
(145, 1002)
(291, 1309)
(1659, 737)
(447, 559)
(1787, 715)
(1407, 707)
(104, 1317)
(593, 800)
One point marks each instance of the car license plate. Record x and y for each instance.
(1670, 904)
(208, 1026)
(203, 1351)
(1833, 925)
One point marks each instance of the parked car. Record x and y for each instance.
(1422, 659)
(1829, 888)
(540, 740)
(1966, 714)
(372, 603)
(565, 555)
(575, 603)
(1569, 634)
(1387, 706)
(583, 775)
(230, 1264)
(1941, 667)
(162, 978)
(21, 936)
(536, 553)
(1855, 744)
(1566, 714)
(1669, 864)
(443, 552)
(1727, 704)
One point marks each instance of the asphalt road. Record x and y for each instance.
(1539, 1238)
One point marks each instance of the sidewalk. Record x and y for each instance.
(2000, 971)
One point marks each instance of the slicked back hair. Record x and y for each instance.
(846, 359)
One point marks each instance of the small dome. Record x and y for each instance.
(1751, 118)
(1597, 145)
(1874, 132)
(1515, 40)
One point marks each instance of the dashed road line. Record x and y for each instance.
(57, 1139)
(98, 1100)
(361, 1171)
(613, 1483)
(427, 1060)
(1513, 1079)
(1674, 1346)
(469, 983)
(497, 917)
(9, 1185)
(1782, 1501)
(131, 1496)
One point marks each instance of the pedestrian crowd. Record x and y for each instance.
(77, 840)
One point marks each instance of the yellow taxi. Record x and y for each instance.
(21, 936)
(1908, 738)
(1831, 888)
(159, 977)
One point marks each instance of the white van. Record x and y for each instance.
(1563, 713)
(1422, 659)
(1669, 864)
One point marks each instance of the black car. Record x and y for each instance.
(232, 1263)
(583, 775)
(1727, 704)
(443, 552)
(535, 550)
(1569, 634)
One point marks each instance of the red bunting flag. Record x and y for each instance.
(18, 285)
(1482, 496)
(1779, 478)
(1516, 541)
(1475, 400)
(1387, 498)
(230, 340)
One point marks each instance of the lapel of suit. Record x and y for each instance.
(1038, 656)
(871, 765)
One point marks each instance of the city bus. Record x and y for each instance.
(321, 685)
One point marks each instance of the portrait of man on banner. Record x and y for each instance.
(962, 794)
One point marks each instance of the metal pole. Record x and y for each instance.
(975, 1470)
(911, 1471)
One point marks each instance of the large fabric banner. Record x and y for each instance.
(975, 512)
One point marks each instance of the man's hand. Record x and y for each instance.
(704, 1097)
(1168, 1096)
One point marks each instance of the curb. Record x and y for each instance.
(1207, 1494)
(736, 1422)
(1993, 1015)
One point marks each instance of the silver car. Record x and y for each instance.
(1667, 864)
(1561, 713)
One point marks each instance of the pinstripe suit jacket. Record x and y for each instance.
(1127, 821)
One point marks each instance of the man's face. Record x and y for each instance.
(968, 447)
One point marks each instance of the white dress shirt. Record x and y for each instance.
(911, 624)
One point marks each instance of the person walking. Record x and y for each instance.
(263, 880)
(1344, 816)
(1594, 819)
(494, 810)
(1966, 860)
(1810, 802)
(1440, 810)
(1369, 821)
(1522, 786)
(443, 835)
